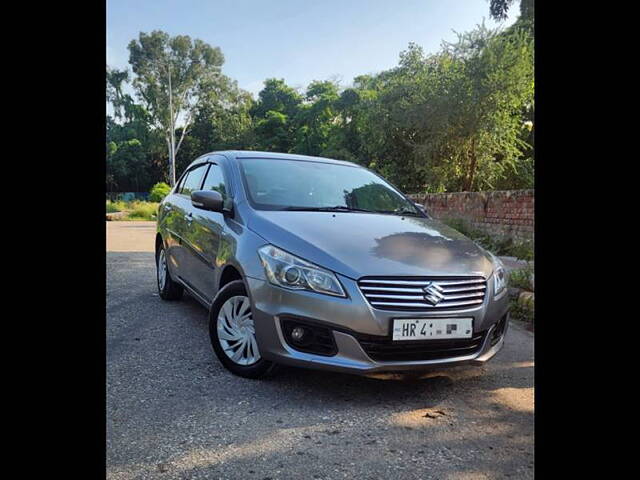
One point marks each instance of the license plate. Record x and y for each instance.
(432, 328)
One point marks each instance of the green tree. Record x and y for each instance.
(273, 132)
(173, 74)
(459, 119)
(223, 120)
(347, 140)
(453, 121)
(317, 118)
(115, 79)
(495, 86)
(274, 115)
(159, 191)
(277, 96)
(128, 164)
(130, 167)
(498, 10)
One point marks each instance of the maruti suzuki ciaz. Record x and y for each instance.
(322, 263)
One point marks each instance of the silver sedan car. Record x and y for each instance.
(321, 263)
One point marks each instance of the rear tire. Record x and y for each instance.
(168, 289)
(232, 333)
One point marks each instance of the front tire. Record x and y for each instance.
(232, 333)
(168, 289)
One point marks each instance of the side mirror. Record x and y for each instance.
(207, 200)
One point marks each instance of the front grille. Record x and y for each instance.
(385, 349)
(408, 293)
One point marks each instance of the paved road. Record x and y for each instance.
(174, 412)
(131, 236)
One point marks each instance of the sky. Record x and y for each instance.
(301, 40)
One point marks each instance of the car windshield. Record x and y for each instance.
(303, 185)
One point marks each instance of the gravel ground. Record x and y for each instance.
(174, 412)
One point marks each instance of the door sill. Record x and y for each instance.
(194, 293)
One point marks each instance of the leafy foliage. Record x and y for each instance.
(524, 312)
(142, 211)
(134, 211)
(453, 121)
(275, 115)
(112, 207)
(458, 119)
(521, 278)
(499, 8)
(159, 191)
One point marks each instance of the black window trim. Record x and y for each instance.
(208, 159)
(225, 177)
(222, 162)
(182, 177)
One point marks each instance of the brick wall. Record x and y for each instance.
(499, 213)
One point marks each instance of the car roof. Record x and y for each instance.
(240, 154)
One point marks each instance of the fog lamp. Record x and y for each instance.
(297, 333)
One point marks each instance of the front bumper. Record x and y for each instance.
(350, 318)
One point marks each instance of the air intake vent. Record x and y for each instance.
(424, 293)
(384, 349)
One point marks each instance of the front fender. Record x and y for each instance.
(239, 249)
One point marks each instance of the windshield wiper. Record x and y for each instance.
(343, 208)
(337, 208)
(405, 212)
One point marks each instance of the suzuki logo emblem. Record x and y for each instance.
(433, 293)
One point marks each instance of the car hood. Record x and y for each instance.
(361, 244)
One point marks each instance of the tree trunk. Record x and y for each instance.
(472, 168)
(172, 136)
(172, 157)
(168, 139)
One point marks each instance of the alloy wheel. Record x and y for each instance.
(162, 269)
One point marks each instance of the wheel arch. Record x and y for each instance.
(159, 243)
(229, 274)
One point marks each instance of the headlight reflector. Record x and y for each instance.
(499, 277)
(289, 271)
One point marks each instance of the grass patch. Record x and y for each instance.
(135, 211)
(112, 207)
(504, 246)
(521, 278)
(522, 309)
(143, 211)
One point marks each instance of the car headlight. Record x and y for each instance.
(499, 277)
(289, 271)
